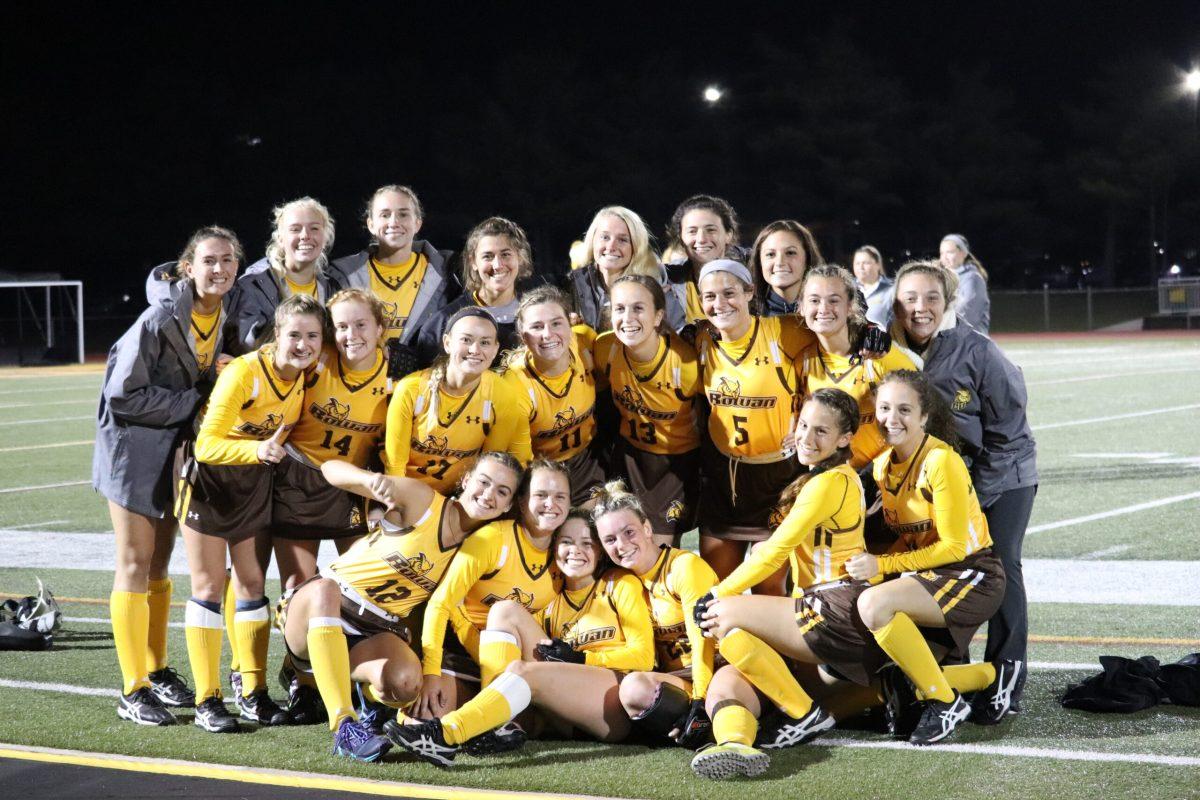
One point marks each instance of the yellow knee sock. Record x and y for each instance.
(497, 649)
(330, 659)
(159, 598)
(766, 669)
(508, 696)
(229, 608)
(970, 677)
(130, 619)
(732, 722)
(203, 631)
(901, 640)
(253, 635)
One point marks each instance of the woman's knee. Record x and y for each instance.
(637, 692)
(400, 683)
(503, 614)
(875, 609)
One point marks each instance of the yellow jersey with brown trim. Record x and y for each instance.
(676, 581)
(930, 505)
(395, 568)
(396, 286)
(609, 622)
(497, 562)
(656, 400)
(560, 409)
(754, 385)
(824, 370)
(204, 336)
(344, 411)
(249, 403)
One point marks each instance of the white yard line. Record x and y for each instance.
(1055, 753)
(40, 421)
(90, 691)
(1142, 358)
(30, 525)
(1116, 512)
(1106, 552)
(46, 446)
(56, 389)
(88, 401)
(1074, 422)
(43, 486)
(1107, 375)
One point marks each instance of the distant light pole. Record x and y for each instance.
(1191, 83)
(712, 95)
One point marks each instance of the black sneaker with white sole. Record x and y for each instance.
(995, 702)
(901, 708)
(424, 740)
(508, 737)
(141, 706)
(939, 720)
(259, 707)
(785, 731)
(171, 689)
(214, 717)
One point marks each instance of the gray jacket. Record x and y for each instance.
(679, 275)
(590, 297)
(153, 389)
(252, 304)
(986, 394)
(440, 286)
(971, 303)
(880, 301)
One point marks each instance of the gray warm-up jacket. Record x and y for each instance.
(153, 388)
(971, 301)
(880, 301)
(986, 394)
(590, 297)
(252, 304)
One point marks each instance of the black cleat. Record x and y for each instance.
(171, 689)
(144, 708)
(214, 717)
(939, 720)
(784, 731)
(305, 706)
(259, 707)
(424, 740)
(508, 737)
(901, 708)
(999, 699)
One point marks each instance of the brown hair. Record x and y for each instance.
(496, 226)
(941, 421)
(500, 457)
(856, 318)
(207, 232)
(945, 277)
(603, 562)
(418, 209)
(300, 305)
(657, 296)
(875, 255)
(702, 202)
(845, 408)
(546, 464)
(812, 253)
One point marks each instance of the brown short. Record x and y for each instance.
(668, 486)
(456, 658)
(231, 502)
(739, 508)
(586, 476)
(968, 592)
(835, 633)
(306, 506)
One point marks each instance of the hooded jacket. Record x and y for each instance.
(252, 304)
(590, 296)
(986, 394)
(153, 389)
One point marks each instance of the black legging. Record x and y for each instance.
(1008, 630)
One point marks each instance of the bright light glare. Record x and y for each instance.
(1175, 270)
(712, 94)
(1192, 81)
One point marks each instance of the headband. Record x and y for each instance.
(959, 240)
(735, 268)
(470, 311)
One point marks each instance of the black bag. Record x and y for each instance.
(1181, 680)
(1125, 686)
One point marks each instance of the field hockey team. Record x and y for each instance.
(852, 447)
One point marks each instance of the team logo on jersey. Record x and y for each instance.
(564, 421)
(631, 400)
(962, 399)
(592, 636)
(265, 430)
(434, 445)
(355, 516)
(675, 511)
(729, 394)
(335, 413)
(414, 568)
(907, 528)
(516, 595)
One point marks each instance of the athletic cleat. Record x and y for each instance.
(214, 717)
(996, 701)
(939, 720)
(305, 706)
(901, 708)
(235, 683)
(720, 761)
(371, 714)
(789, 732)
(508, 737)
(424, 740)
(144, 708)
(171, 689)
(355, 741)
(259, 707)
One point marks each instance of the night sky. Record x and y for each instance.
(128, 127)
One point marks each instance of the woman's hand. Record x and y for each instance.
(381, 489)
(271, 451)
(862, 567)
(223, 361)
(435, 697)
(716, 621)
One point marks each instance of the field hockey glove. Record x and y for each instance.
(695, 728)
(402, 359)
(559, 651)
(701, 607)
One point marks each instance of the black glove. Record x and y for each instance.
(559, 651)
(700, 608)
(695, 728)
(402, 359)
(875, 341)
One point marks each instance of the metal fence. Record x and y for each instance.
(1072, 309)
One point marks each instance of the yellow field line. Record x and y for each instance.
(268, 777)
(46, 446)
(91, 601)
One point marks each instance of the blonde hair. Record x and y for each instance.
(876, 256)
(934, 269)
(363, 296)
(613, 497)
(536, 296)
(418, 209)
(643, 261)
(275, 255)
(857, 318)
(300, 305)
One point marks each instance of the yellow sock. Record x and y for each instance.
(970, 677)
(732, 722)
(203, 631)
(901, 640)
(159, 597)
(130, 618)
(766, 669)
(253, 636)
(229, 608)
(507, 696)
(497, 649)
(330, 659)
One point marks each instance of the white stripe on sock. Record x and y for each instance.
(197, 616)
(488, 635)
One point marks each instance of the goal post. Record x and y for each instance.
(41, 322)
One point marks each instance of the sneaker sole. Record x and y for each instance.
(124, 713)
(807, 736)
(338, 751)
(217, 728)
(721, 766)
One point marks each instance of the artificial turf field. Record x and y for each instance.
(1112, 564)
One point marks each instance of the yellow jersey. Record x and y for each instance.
(432, 435)
(497, 562)
(397, 285)
(294, 288)
(829, 370)
(821, 531)
(393, 568)
(344, 412)
(676, 581)
(931, 507)
(204, 336)
(754, 386)
(248, 404)
(609, 622)
(560, 410)
(656, 400)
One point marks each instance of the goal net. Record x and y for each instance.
(41, 322)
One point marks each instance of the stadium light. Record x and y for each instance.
(712, 95)
(1175, 269)
(1192, 81)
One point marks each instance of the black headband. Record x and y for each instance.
(470, 311)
